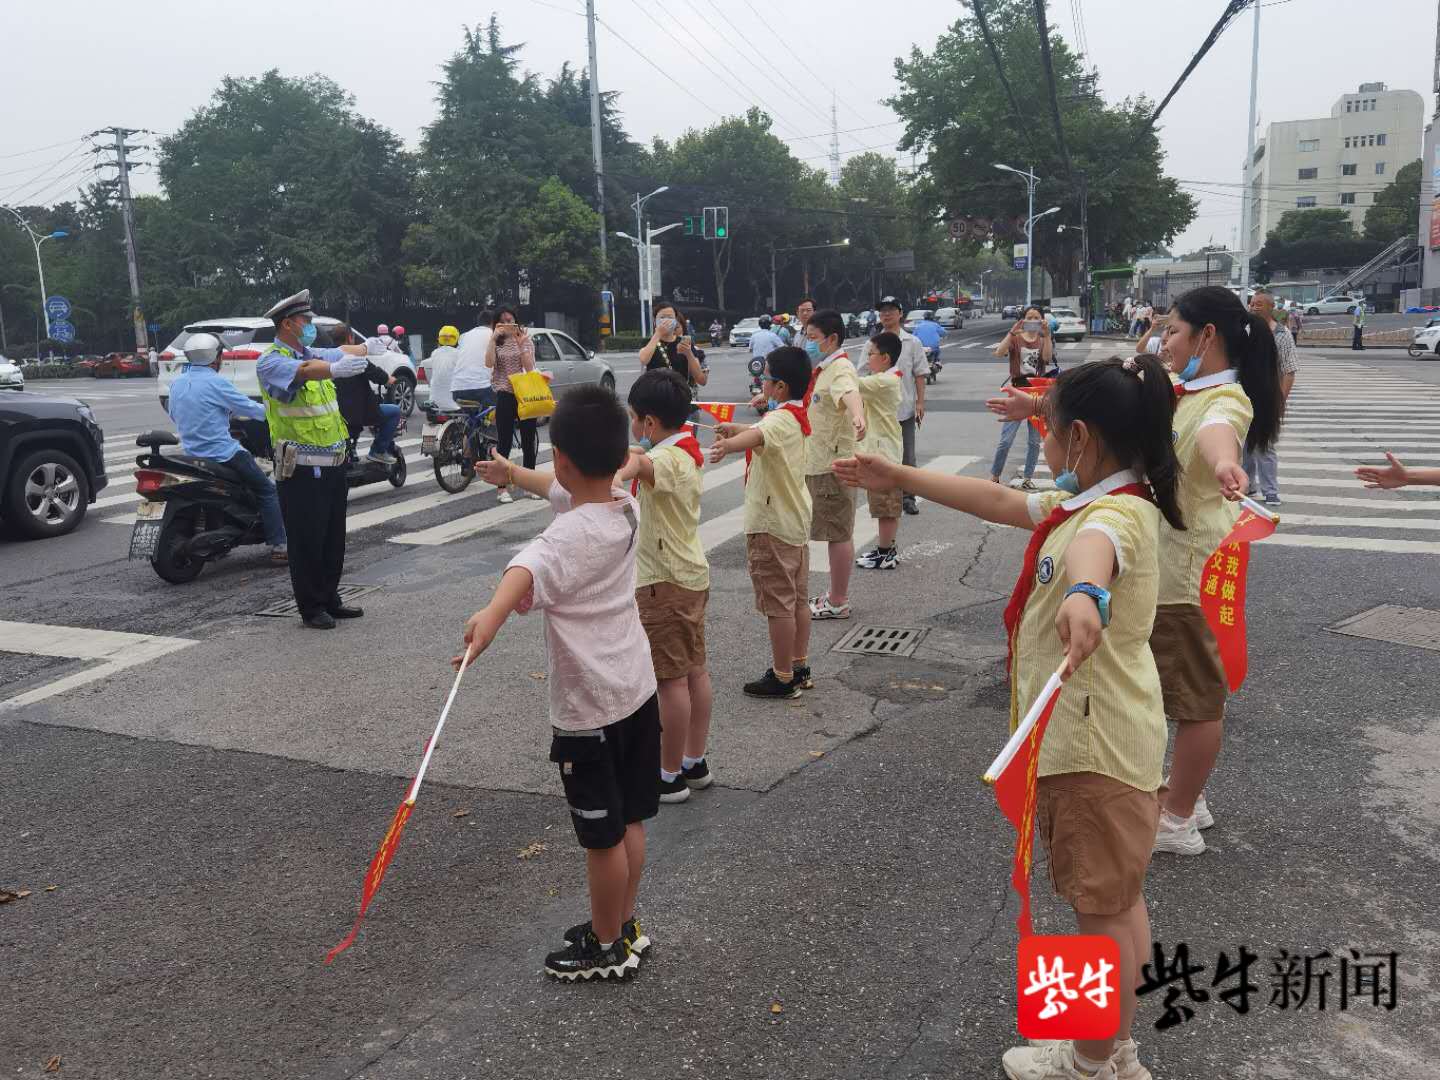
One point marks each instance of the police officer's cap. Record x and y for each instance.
(299, 304)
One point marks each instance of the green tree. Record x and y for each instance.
(955, 107)
(1396, 209)
(285, 186)
(1304, 240)
(559, 245)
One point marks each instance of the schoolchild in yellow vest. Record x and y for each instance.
(777, 519)
(1086, 599)
(881, 390)
(1229, 403)
(672, 575)
(837, 421)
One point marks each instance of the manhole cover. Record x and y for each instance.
(882, 640)
(1419, 627)
(286, 608)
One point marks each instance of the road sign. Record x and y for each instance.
(153, 327)
(1022, 256)
(57, 307)
(60, 330)
(958, 229)
(901, 262)
(607, 297)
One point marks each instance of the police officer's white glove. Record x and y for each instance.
(348, 366)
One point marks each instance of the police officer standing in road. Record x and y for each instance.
(308, 436)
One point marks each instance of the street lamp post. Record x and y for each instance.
(640, 237)
(58, 234)
(984, 293)
(1031, 182)
(785, 251)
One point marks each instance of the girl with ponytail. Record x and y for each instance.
(1085, 600)
(1229, 402)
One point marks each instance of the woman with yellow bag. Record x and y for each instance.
(511, 353)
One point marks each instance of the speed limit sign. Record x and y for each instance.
(957, 229)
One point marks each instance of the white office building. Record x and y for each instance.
(1338, 162)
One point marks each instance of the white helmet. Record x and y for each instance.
(202, 349)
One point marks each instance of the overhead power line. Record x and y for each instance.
(36, 150)
(1017, 115)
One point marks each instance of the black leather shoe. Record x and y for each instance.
(321, 620)
(344, 611)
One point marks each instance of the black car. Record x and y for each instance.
(52, 463)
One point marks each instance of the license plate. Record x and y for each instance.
(429, 438)
(144, 538)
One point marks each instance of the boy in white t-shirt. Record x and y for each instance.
(580, 572)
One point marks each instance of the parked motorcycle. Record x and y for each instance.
(457, 440)
(933, 355)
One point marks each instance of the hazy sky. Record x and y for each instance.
(73, 66)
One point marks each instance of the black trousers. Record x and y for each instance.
(1355, 341)
(314, 511)
(506, 406)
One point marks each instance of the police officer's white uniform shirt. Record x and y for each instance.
(470, 372)
(912, 362)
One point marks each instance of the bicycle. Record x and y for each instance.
(458, 447)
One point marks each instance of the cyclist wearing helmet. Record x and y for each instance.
(764, 341)
(397, 338)
(202, 401)
(440, 367)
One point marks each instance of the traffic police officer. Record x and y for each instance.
(308, 436)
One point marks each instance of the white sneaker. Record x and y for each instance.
(1125, 1058)
(1179, 836)
(1203, 818)
(505, 496)
(1054, 1061)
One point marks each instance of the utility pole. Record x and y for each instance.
(595, 133)
(1088, 304)
(127, 216)
(834, 143)
(1246, 199)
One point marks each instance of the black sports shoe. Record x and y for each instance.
(770, 686)
(803, 681)
(910, 506)
(673, 791)
(698, 775)
(630, 933)
(585, 959)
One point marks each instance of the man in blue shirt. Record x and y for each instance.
(764, 341)
(202, 401)
(930, 332)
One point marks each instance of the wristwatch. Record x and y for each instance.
(1096, 593)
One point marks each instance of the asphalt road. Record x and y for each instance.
(836, 906)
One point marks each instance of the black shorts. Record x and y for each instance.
(611, 774)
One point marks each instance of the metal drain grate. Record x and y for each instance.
(882, 640)
(285, 608)
(1418, 627)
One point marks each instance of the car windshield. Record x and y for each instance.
(748, 324)
(1063, 313)
(918, 313)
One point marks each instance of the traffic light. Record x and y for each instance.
(717, 223)
(690, 225)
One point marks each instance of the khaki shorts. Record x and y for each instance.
(1099, 834)
(833, 509)
(884, 504)
(674, 621)
(1192, 675)
(780, 573)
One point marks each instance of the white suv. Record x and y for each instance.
(245, 339)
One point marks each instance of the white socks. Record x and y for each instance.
(691, 762)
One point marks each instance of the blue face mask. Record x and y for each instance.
(773, 403)
(812, 350)
(1190, 369)
(307, 334)
(646, 443)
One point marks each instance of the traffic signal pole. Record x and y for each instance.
(1247, 207)
(595, 147)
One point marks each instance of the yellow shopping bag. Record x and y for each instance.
(532, 395)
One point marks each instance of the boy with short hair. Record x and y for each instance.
(880, 390)
(837, 420)
(672, 581)
(580, 572)
(777, 519)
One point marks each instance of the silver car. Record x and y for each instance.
(565, 360)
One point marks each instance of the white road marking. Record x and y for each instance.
(1355, 543)
(116, 651)
(1377, 502)
(1332, 522)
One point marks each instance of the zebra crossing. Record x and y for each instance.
(475, 511)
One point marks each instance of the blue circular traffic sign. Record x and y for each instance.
(60, 330)
(57, 307)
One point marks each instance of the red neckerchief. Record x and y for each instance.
(690, 445)
(814, 378)
(1026, 583)
(809, 390)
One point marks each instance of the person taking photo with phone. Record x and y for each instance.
(1031, 352)
(509, 352)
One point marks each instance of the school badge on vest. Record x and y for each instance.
(1046, 570)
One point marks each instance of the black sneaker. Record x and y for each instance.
(769, 686)
(585, 959)
(630, 933)
(910, 506)
(698, 775)
(803, 681)
(674, 790)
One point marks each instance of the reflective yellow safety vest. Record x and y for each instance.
(312, 416)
